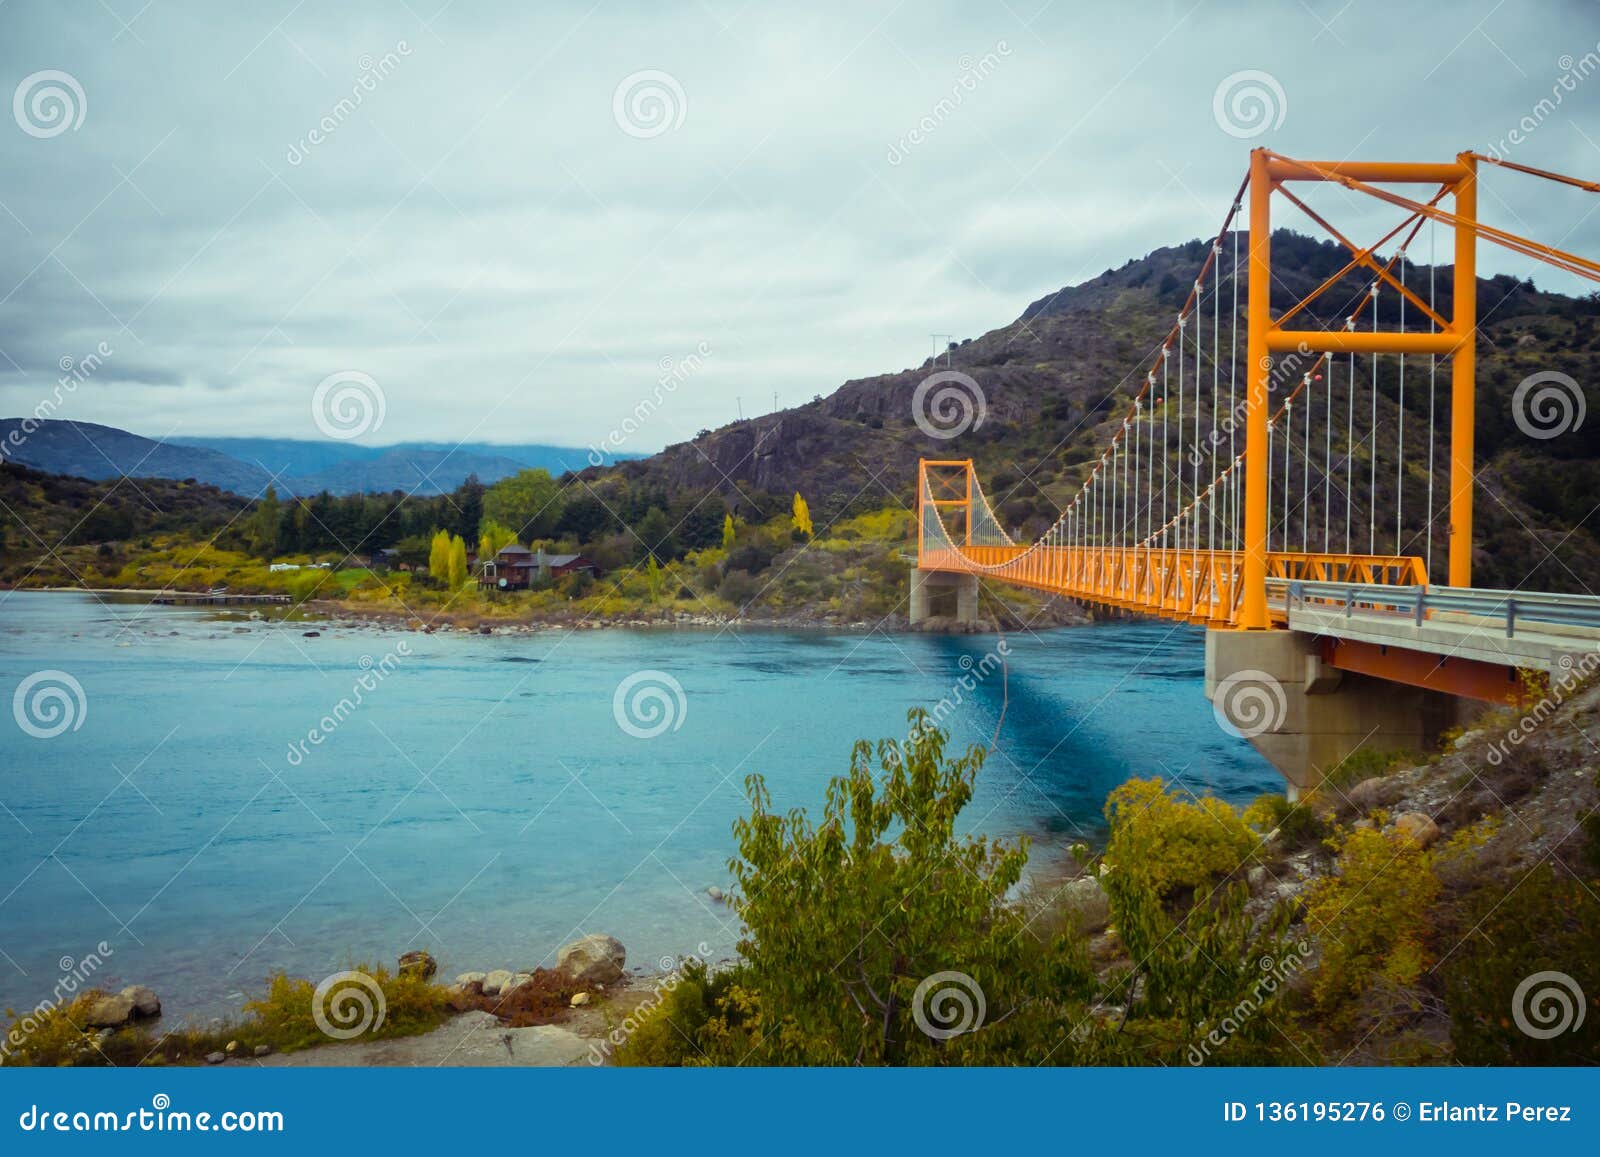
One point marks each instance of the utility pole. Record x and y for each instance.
(941, 344)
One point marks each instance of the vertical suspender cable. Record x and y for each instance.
(1350, 445)
(1305, 477)
(1372, 485)
(1288, 452)
(1433, 367)
(1233, 420)
(1400, 427)
(1178, 535)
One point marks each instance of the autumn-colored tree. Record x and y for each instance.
(439, 555)
(730, 531)
(456, 563)
(802, 516)
(493, 538)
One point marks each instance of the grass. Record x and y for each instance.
(282, 1019)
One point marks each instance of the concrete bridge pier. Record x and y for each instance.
(940, 592)
(1304, 716)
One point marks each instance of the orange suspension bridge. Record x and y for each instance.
(1242, 487)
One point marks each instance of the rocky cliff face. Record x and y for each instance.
(1055, 384)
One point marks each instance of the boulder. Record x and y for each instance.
(1369, 793)
(715, 893)
(263, 1050)
(1086, 898)
(110, 1011)
(580, 999)
(1258, 879)
(471, 981)
(495, 981)
(216, 1058)
(595, 959)
(418, 963)
(1418, 828)
(518, 979)
(145, 1002)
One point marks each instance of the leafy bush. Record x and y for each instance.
(1371, 918)
(875, 933)
(1170, 843)
(1548, 923)
(1297, 824)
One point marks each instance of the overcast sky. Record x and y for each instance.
(510, 220)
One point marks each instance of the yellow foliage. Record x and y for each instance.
(1171, 842)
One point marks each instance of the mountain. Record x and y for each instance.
(247, 466)
(326, 463)
(1057, 382)
(88, 450)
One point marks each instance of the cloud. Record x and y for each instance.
(474, 229)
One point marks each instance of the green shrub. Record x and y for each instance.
(1297, 824)
(1371, 919)
(1169, 842)
(874, 933)
(1364, 763)
(1547, 923)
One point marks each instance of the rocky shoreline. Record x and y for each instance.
(574, 1013)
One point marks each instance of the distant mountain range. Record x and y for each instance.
(247, 466)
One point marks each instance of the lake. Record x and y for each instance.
(228, 798)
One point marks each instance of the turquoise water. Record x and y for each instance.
(481, 799)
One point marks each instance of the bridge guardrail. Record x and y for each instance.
(1508, 608)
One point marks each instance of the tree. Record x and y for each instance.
(529, 502)
(802, 516)
(456, 563)
(439, 556)
(729, 531)
(263, 533)
(492, 538)
(655, 534)
(879, 936)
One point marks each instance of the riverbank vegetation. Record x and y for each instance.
(769, 560)
(1344, 929)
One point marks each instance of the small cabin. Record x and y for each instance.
(516, 568)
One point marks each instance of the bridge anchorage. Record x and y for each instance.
(1289, 495)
